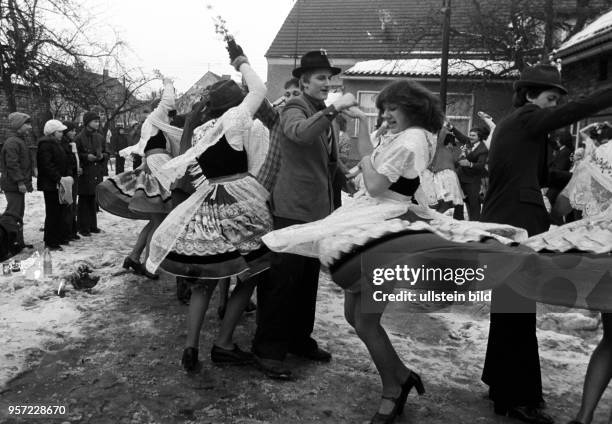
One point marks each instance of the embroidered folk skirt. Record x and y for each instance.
(216, 233)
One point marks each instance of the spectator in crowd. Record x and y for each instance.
(92, 154)
(9, 227)
(559, 167)
(55, 182)
(471, 170)
(16, 168)
(119, 140)
(70, 148)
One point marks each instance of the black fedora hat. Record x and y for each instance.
(315, 60)
(224, 95)
(540, 76)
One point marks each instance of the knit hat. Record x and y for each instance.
(53, 125)
(69, 126)
(17, 119)
(88, 117)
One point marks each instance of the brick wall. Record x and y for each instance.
(584, 76)
(29, 101)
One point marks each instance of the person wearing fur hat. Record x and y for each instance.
(92, 156)
(517, 171)
(55, 181)
(216, 233)
(16, 168)
(70, 148)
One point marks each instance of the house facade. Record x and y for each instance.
(370, 39)
(586, 60)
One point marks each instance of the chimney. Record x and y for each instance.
(226, 77)
(105, 74)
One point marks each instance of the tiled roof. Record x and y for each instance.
(431, 68)
(599, 30)
(372, 29)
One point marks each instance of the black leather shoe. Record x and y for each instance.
(318, 354)
(55, 248)
(85, 233)
(96, 230)
(75, 237)
(131, 263)
(236, 356)
(273, 368)
(190, 359)
(526, 414)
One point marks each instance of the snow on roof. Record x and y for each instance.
(431, 67)
(599, 26)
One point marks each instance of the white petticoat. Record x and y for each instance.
(365, 218)
(442, 186)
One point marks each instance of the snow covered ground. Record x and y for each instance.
(108, 352)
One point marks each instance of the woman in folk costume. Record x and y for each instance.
(384, 212)
(144, 193)
(440, 179)
(216, 233)
(590, 191)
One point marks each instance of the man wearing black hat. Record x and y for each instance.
(517, 171)
(303, 193)
(92, 157)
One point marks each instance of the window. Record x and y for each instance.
(367, 103)
(459, 109)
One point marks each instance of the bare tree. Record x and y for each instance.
(29, 45)
(525, 31)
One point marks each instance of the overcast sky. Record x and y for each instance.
(178, 37)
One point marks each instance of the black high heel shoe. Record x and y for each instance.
(413, 380)
(190, 359)
(131, 263)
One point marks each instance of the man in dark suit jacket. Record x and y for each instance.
(560, 164)
(470, 170)
(303, 193)
(517, 171)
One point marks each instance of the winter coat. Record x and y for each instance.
(91, 142)
(72, 162)
(53, 163)
(15, 164)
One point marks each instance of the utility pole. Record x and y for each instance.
(446, 10)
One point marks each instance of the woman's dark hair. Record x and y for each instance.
(482, 134)
(178, 121)
(293, 82)
(520, 95)
(420, 105)
(449, 139)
